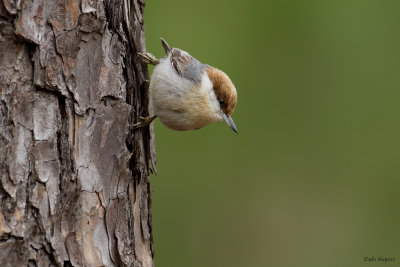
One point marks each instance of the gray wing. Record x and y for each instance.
(185, 65)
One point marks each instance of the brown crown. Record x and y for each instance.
(223, 89)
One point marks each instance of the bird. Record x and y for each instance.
(186, 94)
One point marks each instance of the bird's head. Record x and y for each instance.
(225, 93)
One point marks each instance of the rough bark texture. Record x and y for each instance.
(74, 186)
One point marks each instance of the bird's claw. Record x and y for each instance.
(143, 121)
(149, 58)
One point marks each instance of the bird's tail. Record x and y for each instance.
(167, 48)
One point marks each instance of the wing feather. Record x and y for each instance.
(185, 65)
(180, 59)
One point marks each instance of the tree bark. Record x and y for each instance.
(74, 186)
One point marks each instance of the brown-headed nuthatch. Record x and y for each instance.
(186, 94)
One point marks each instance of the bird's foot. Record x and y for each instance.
(143, 121)
(149, 58)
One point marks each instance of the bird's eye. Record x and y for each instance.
(221, 102)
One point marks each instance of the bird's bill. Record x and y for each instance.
(230, 122)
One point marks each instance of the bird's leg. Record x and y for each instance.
(149, 58)
(143, 121)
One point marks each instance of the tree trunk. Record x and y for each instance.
(74, 187)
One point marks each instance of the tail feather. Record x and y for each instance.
(167, 48)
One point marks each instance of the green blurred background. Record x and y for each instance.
(312, 178)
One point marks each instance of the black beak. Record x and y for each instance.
(230, 122)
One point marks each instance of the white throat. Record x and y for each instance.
(206, 87)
